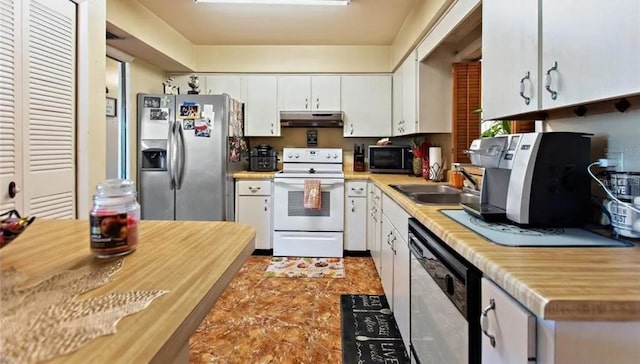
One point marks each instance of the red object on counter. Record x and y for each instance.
(425, 168)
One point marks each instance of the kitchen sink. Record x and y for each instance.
(436, 194)
(425, 189)
(444, 198)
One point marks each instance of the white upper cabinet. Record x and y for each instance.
(366, 103)
(596, 47)
(261, 109)
(546, 54)
(310, 93)
(509, 57)
(404, 97)
(409, 91)
(231, 85)
(294, 92)
(396, 126)
(325, 93)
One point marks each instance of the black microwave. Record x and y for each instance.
(390, 159)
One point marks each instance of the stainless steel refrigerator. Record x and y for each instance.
(188, 148)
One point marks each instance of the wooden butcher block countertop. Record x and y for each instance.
(585, 284)
(194, 261)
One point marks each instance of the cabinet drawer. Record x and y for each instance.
(356, 189)
(253, 188)
(397, 216)
(374, 194)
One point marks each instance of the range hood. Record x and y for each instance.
(311, 119)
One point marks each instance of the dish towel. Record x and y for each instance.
(312, 194)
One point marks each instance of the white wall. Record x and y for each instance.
(283, 59)
(616, 131)
(143, 78)
(90, 126)
(112, 127)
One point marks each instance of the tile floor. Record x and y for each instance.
(279, 320)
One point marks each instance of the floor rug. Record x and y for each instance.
(296, 267)
(370, 334)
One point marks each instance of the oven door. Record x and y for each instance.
(439, 332)
(289, 211)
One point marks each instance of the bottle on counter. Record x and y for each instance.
(457, 180)
(114, 218)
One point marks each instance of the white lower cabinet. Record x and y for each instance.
(355, 216)
(386, 260)
(395, 264)
(509, 329)
(374, 219)
(253, 207)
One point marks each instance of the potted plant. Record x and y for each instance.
(498, 127)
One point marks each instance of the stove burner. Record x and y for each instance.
(516, 230)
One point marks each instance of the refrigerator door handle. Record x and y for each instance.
(171, 155)
(180, 156)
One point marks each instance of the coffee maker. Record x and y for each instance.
(533, 179)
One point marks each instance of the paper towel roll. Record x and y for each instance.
(435, 164)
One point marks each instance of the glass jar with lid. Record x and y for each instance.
(114, 218)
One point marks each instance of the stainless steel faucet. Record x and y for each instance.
(469, 178)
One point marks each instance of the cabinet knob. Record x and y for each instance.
(484, 322)
(547, 80)
(526, 77)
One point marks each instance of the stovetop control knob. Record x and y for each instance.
(328, 156)
(290, 156)
(335, 156)
(297, 155)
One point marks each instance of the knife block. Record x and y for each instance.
(358, 162)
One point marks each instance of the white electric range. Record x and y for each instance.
(303, 232)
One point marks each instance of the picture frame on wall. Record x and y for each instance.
(111, 106)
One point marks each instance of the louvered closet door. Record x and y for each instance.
(49, 108)
(10, 127)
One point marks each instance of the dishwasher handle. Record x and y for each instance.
(415, 246)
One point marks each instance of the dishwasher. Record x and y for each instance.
(445, 302)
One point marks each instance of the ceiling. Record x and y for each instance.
(363, 22)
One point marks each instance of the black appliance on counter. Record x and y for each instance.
(263, 158)
(390, 158)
